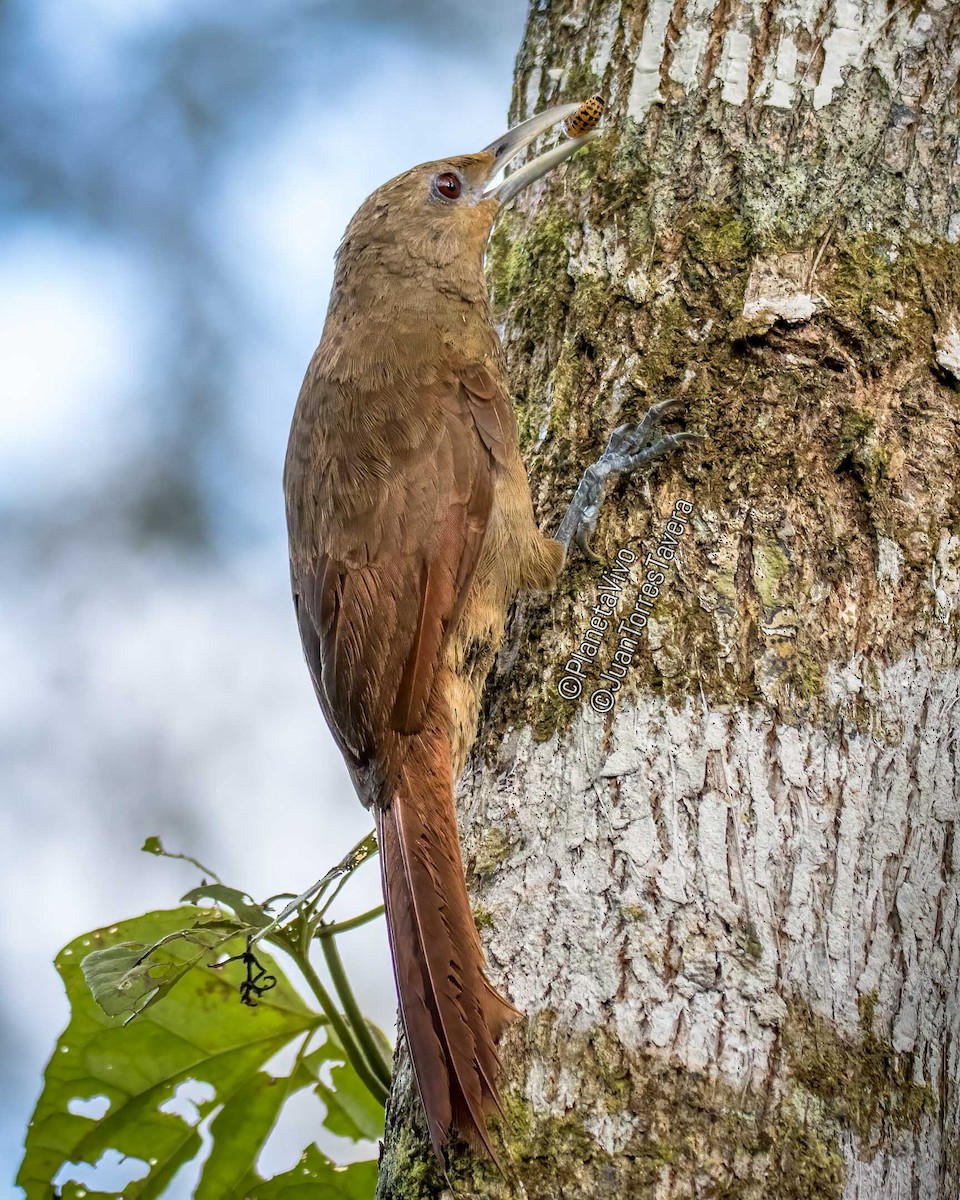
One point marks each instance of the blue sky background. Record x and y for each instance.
(174, 178)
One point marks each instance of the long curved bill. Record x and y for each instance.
(509, 145)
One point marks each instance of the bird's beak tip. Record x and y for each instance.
(509, 145)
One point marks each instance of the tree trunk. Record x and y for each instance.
(729, 905)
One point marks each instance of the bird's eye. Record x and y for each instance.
(448, 185)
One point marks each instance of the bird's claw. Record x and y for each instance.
(628, 448)
(584, 532)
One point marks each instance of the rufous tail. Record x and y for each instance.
(452, 1016)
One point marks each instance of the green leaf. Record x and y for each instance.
(351, 1110)
(315, 1177)
(129, 977)
(119, 977)
(239, 1131)
(249, 912)
(200, 1032)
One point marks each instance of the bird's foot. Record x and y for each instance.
(628, 448)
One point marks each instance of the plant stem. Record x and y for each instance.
(335, 927)
(371, 1081)
(356, 1018)
(341, 884)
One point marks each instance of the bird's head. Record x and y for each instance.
(440, 214)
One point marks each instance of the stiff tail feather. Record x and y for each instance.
(452, 1016)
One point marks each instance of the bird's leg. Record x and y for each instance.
(629, 447)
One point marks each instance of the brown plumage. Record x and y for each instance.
(411, 529)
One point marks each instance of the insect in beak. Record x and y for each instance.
(579, 121)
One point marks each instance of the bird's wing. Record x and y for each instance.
(396, 551)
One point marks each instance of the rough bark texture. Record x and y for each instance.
(730, 905)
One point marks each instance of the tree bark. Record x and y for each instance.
(729, 906)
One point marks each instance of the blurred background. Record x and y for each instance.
(175, 176)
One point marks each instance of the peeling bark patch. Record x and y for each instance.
(692, 39)
(734, 67)
(947, 345)
(841, 47)
(647, 55)
(777, 290)
(783, 74)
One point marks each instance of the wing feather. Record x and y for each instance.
(396, 551)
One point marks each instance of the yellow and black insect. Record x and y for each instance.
(585, 118)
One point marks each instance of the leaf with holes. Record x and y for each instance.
(247, 1118)
(315, 1177)
(351, 1110)
(130, 977)
(201, 1032)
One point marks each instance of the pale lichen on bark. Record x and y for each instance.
(730, 908)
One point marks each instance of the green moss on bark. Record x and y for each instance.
(493, 849)
(867, 1085)
(742, 1143)
(409, 1171)
(813, 421)
(528, 267)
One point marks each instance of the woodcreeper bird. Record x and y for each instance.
(411, 530)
